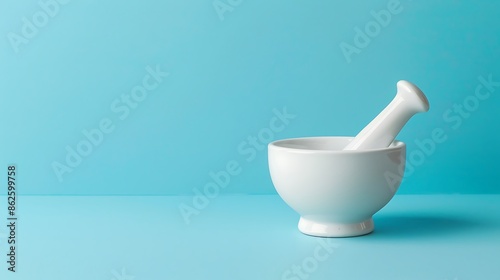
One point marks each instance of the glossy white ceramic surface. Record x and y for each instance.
(382, 130)
(336, 192)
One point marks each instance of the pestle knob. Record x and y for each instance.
(382, 130)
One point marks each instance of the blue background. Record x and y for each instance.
(226, 76)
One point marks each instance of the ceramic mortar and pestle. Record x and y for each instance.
(337, 184)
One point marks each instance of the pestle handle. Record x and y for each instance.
(382, 130)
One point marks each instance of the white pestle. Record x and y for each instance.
(382, 130)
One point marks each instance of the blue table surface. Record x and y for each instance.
(432, 237)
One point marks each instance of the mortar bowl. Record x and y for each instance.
(335, 192)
